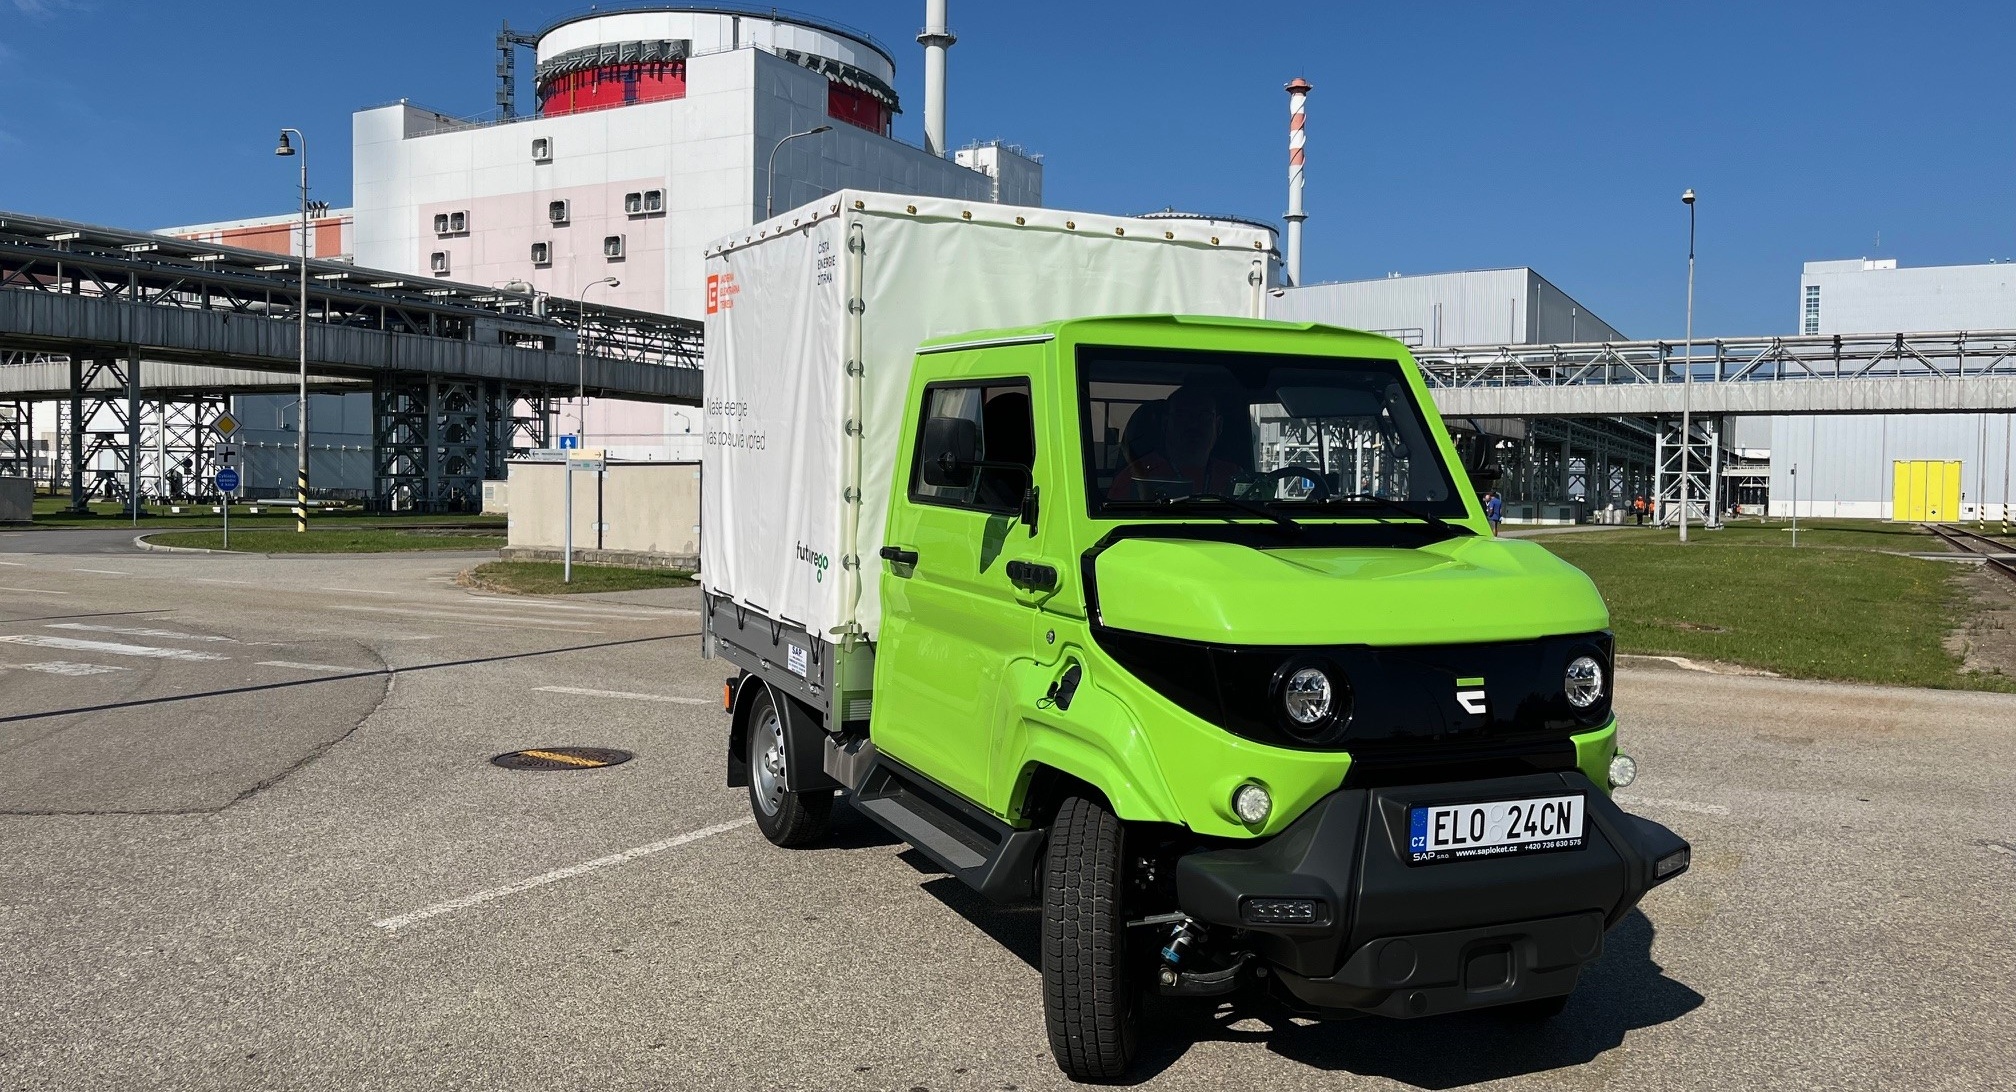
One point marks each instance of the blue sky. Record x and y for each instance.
(1443, 136)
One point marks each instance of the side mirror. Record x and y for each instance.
(948, 456)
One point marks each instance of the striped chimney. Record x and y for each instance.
(1298, 101)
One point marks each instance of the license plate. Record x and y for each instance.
(1495, 828)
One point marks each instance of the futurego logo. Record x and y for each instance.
(814, 559)
(1470, 695)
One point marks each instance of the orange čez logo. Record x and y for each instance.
(721, 289)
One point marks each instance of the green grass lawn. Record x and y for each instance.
(1841, 606)
(50, 512)
(331, 540)
(543, 578)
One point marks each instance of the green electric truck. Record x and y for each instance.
(1187, 628)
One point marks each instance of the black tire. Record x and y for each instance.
(1090, 1001)
(1534, 1012)
(786, 818)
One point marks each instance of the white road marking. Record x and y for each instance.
(558, 874)
(66, 667)
(536, 604)
(170, 633)
(622, 694)
(37, 591)
(16, 564)
(494, 620)
(214, 580)
(311, 667)
(149, 651)
(362, 591)
(1678, 805)
(106, 572)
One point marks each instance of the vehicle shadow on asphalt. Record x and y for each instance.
(1624, 990)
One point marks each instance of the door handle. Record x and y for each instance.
(899, 556)
(1031, 574)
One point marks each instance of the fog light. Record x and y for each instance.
(1670, 865)
(1252, 804)
(1623, 771)
(1282, 911)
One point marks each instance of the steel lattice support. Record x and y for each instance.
(175, 452)
(1703, 472)
(436, 441)
(17, 439)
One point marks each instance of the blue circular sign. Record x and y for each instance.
(227, 480)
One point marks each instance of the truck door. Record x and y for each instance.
(956, 603)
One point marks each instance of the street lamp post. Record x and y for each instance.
(301, 433)
(1687, 377)
(770, 186)
(581, 361)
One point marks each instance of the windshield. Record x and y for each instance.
(1172, 434)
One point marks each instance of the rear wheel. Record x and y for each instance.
(786, 818)
(1090, 1001)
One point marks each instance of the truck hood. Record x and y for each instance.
(1464, 589)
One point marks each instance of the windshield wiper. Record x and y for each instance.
(1410, 512)
(1260, 510)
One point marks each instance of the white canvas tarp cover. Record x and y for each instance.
(776, 471)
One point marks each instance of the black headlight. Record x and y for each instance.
(1311, 699)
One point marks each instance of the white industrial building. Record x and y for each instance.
(654, 132)
(1846, 464)
(654, 135)
(1515, 306)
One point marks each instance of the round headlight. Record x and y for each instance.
(1623, 771)
(1308, 696)
(1252, 804)
(1584, 682)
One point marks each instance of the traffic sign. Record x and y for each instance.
(226, 425)
(227, 480)
(569, 441)
(227, 454)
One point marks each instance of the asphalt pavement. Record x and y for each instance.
(250, 838)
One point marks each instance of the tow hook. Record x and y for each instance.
(1184, 940)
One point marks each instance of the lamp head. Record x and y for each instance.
(820, 129)
(611, 282)
(1687, 198)
(285, 148)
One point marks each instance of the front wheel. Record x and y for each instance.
(1090, 1002)
(786, 818)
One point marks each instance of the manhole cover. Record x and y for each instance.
(561, 758)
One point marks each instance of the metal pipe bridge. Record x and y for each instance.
(141, 338)
(1954, 371)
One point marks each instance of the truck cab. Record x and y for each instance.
(1193, 633)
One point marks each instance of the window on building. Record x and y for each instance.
(1810, 323)
(438, 262)
(458, 222)
(654, 200)
(556, 212)
(542, 149)
(542, 253)
(612, 246)
(440, 223)
(633, 203)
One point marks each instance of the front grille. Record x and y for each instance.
(1433, 698)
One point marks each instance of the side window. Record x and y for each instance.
(997, 417)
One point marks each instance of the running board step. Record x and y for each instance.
(985, 853)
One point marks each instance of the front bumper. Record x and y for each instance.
(1398, 939)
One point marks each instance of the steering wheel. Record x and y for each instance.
(1319, 486)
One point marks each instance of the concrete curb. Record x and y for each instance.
(141, 541)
